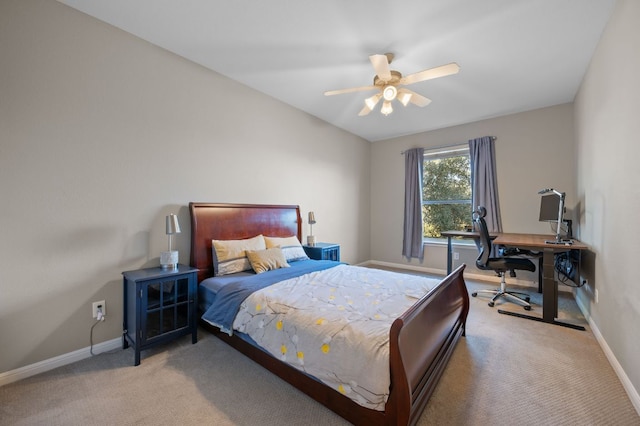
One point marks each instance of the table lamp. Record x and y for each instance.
(169, 259)
(311, 240)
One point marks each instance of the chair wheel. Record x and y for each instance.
(491, 304)
(474, 294)
(527, 308)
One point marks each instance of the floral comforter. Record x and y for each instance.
(334, 325)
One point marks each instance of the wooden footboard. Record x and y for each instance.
(421, 340)
(421, 343)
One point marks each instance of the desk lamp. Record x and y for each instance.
(169, 259)
(558, 239)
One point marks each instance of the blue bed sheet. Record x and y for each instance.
(228, 298)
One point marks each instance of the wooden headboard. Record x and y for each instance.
(218, 221)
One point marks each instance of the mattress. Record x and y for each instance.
(326, 319)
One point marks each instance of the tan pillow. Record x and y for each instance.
(230, 256)
(266, 260)
(290, 246)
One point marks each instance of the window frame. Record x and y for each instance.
(442, 153)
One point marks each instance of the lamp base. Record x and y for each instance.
(311, 240)
(169, 260)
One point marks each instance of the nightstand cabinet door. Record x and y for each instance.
(323, 251)
(159, 306)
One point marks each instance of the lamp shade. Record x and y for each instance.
(404, 98)
(312, 218)
(387, 108)
(173, 226)
(372, 101)
(169, 258)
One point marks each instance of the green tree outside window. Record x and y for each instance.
(446, 192)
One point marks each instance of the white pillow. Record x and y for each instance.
(230, 256)
(291, 247)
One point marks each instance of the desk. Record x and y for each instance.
(549, 284)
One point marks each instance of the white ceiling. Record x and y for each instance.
(514, 55)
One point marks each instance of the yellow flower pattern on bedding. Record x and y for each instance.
(334, 325)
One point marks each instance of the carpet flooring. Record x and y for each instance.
(506, 371)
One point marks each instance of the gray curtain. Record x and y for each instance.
(484, 181)
(413, 228)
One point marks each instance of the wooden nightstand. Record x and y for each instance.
(323, 251)
(159, 306)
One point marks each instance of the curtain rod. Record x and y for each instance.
(446, 146)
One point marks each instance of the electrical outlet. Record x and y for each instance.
(456, 255)
(596, 296)
(99, 305)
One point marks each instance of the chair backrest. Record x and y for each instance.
(485, 240)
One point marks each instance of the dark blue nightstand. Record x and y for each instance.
(323, 251)
(159, 305)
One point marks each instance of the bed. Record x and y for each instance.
(420, 340)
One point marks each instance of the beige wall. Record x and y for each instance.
(588, 149)
(102, 135)
(607, 126)
(534, 150)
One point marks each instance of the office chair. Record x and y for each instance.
(499, 264)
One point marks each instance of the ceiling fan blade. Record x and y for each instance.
(351, 90)
(420, 100)
(364, 111)
(370, 104)
(381, 66)
(405, 96)
(441, 71)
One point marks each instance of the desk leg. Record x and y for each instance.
(539, 274)
(549, 295)
(449, 256)
(549, 287)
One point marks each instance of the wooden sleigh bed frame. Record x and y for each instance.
(421, 340)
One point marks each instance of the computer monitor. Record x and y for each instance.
(549, 206)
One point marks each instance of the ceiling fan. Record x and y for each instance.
(389, 84)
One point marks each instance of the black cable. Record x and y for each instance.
(563, 275)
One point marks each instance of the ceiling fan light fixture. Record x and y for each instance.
(404, 98)
(386, 108)
(390, 85)
(389, 93)
(372, 101)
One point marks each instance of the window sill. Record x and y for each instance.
(438, 242)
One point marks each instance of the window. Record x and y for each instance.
(446, 191)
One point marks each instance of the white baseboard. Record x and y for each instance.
(59, 361)
(624, 379)
(403, 266)
(80, 354)
(436, 271)
(468, 274)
